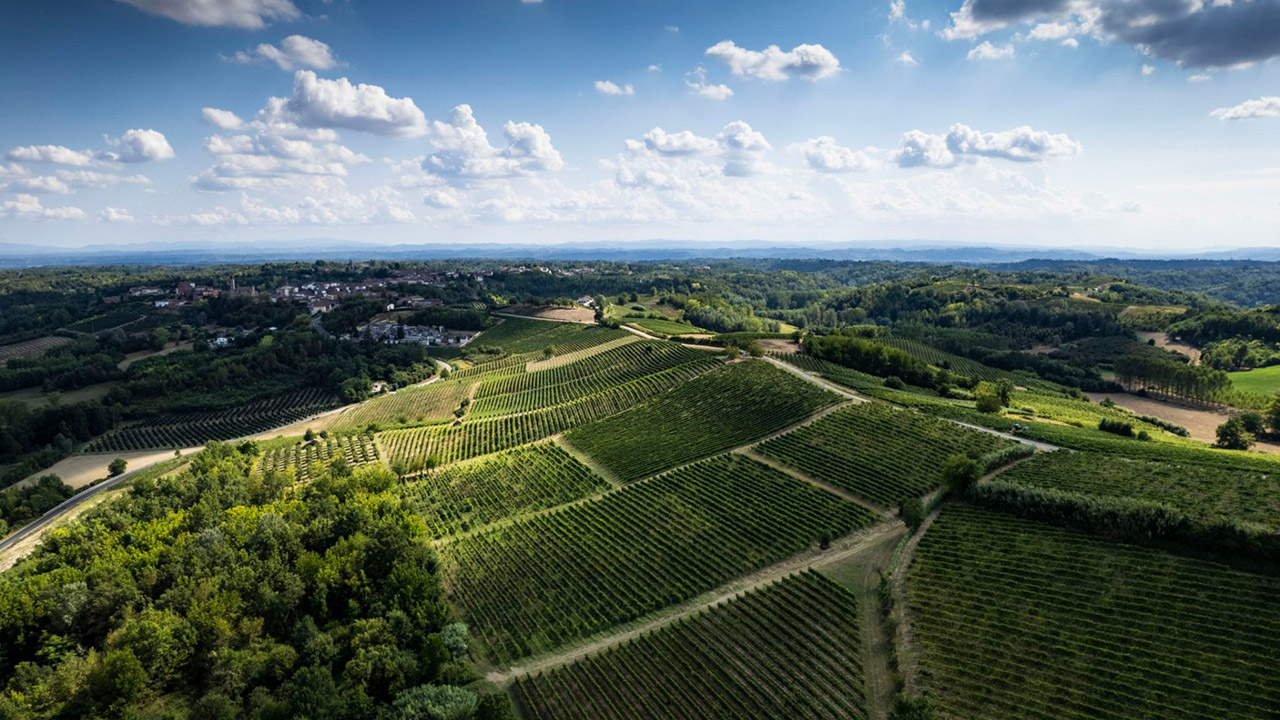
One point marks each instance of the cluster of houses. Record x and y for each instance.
(388, 332)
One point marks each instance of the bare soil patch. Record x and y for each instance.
(1201, 424)
(778, 345)
(132, 358)
(576, 313)
(80, 470)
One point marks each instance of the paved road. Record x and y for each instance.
(64, 506)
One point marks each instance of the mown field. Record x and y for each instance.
(791, 650)
(1206, 493)
(539, 583)
(720, 410)
(1015, 618)
(878, 452)
(469, 495)
(1262, 381)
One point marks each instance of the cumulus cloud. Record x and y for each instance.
(812, 62)
(463, 150)
(115, 215)
(27, 206)
(743, 148)
(52, 154)
(658, 158)
(221, 119)
(322, 103)
(987, 51)
(824, 154)
(1021, 144)
(680, 143)
(1148, 70)
(1263, 107)
(606, 87)
(138, 145)
(37, 184)
(293, 52)
(906, 58)
(697, 82)
(250, 14)
(1192, 33)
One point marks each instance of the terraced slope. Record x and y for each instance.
(791, 650)
(878, 452)
(723, 409)
(537, 584)
(466, 496)
(1014, 618)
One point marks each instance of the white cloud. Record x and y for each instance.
(95, 179)
(38, 184)
(250, 14)
(898, 13)
(697, 82)
(812, 62)
(294, 51)
(673, 29)
(743, 148)
(1021, 144)
(906, 58)
(606, 87)
(987, 51)
(328, 205)
(1052, 31)
(1071, 43)
(1199, 78)
(1148, 70)
(52, 154)
(655, 68)
(463, 150)
(681, 143)
(221, 119)
(26, 206)
(1263, 107)
(141, 146)
(115, 215)
(322, 103)
(825, 155)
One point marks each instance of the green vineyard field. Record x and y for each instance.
(446, 444)
(878, 452)
(306, 459)
(528, 391)
(534, 585)
(518, 335)
(718, 411)
(1015, 618)
(790, 650)
(31, 348)
(466, 496)
(188, 429)
(421, 404)
(1205, 493)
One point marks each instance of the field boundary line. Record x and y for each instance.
(815, 482)
(591, 463)
(824, 384)
(849, 546)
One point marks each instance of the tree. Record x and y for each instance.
(117, 467)
(1273, 414)
(1254, 424)
(1004, 387)
(912, 512)
(436, 702)
(1232, 435)
(309, 435)
(908, 709)
(755, 349)
(495, 706)
(454, 636)
(960, 472)
(987, 399)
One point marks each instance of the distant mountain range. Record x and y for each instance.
(18, 255)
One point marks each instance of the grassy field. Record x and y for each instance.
(1205, 493)
(1018, 619)
(725, 408)
(537, 584)
(1263, 381)
(791, 650)
(469, 495)
(878, 452)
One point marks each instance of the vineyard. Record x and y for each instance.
(189, 429)
(472, 438)
(878, 452)
(433, 403)
(31, 348)
(535, 390)
(1206, 493)
(568, 358)
(663, 327)
(537, 584)
(1018, 619)
(307, 458)
(466, 496)
(114, 318)
(791, 650)
(718, 411)
(517, 335)
(939, 358)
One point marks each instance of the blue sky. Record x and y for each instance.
(1078, 123)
